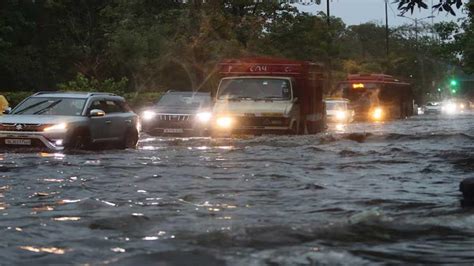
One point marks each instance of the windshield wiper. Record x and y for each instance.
(31, 106)
(47, 107)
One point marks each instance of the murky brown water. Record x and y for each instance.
(367, 193)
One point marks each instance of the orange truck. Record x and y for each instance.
(269, 96)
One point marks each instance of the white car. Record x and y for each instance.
(433, 108)
(337, 110)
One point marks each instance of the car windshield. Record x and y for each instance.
(255, 88)
(335, 105)
(50, 106)
(185, 101)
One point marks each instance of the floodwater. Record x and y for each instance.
(361, 194)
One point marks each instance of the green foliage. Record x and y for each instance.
(82, 83)
(15, 97)
(143, 46)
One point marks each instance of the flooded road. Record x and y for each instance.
(363, 194)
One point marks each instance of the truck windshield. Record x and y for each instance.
(255, 89)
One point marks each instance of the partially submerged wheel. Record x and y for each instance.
(79, 140)
(130, 139)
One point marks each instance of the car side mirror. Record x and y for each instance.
(96, 113)
(7, 111)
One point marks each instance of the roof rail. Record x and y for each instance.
(44, 92)
(101, 93)
(77, 92)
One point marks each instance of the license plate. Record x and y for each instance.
(173, 130)
(18, 141)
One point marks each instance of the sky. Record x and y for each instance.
(354, 12)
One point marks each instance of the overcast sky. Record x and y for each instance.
(360, 11)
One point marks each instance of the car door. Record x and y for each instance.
(114, 124)
(98, 125)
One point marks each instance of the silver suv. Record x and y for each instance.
(70, 120)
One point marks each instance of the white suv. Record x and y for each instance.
(70, 120)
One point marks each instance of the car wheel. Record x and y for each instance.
(130, 139)
(80, 139)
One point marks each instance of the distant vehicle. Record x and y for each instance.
(454, 106)
(179, 113)
(337, 110)
(433, 108)
(70, 120)
(269, 96)
(377, 97)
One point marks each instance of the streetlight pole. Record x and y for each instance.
(386, 29)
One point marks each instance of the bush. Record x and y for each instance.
(82, 83)
(15, 97)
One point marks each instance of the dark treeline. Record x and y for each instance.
(147, 45)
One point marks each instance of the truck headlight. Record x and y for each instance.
(341, 115)
(204, 117)
(148, 115)
(377, 114)
(56, 128)
(225, 122)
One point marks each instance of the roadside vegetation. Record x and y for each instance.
(142, 48)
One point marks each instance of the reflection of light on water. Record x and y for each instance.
(43, 209)
(68, 201)
(225, 147)
(118, 250)
(341, 127)
(53, 180)
(52, 155)
(149, 148)
(147, 140)
(159, 235)
(64, 219)
(52, 250)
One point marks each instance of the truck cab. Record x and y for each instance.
(267, 96)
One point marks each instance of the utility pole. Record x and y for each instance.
(328, 11)
(386, 29)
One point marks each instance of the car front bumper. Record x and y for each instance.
(53, 141)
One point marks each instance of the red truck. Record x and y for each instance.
(377, 97)
(269, 95)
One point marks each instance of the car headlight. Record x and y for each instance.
(204, 117)
(148, 115)
(377, 113)
(450, 108)
(341, 115)
(56, 128)
(225, 122)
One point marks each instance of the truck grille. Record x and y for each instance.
(263, 121)
(22, 127)
(174, 117)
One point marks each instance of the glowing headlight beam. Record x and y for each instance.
(341, 115)
(377, 114)
(148, 115)
(58, 128)
(225, 122)
(204, 117)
